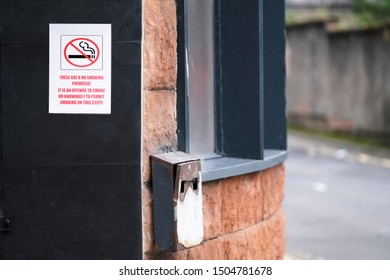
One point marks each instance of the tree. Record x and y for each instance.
(373, 10)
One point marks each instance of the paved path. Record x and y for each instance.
(337, 201)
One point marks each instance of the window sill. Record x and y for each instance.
(223, 167)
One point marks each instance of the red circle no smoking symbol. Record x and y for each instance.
(81, 52)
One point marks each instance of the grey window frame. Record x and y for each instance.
(250, 102)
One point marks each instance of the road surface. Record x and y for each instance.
(337, 200)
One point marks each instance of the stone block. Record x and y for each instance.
(265, 240)
(159, 133)
(242, 199)
(212, 209)
(209, 250)
(272, 181)
(160, 39)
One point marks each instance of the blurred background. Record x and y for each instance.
(337, 201)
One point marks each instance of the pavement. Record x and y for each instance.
(337, 199)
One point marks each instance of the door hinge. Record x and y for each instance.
(5, 225)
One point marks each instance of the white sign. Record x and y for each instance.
(80, 68)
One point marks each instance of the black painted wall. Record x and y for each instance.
(69, 183)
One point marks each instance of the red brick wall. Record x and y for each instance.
(243, 218)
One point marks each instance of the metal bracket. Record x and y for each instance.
(5, 225)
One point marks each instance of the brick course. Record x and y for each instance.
(265, 241)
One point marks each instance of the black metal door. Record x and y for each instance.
(70, 184)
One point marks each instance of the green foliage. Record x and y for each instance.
(372, 10)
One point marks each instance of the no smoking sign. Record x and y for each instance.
(82, 52)
(79, 68)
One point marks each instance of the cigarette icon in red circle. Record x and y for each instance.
(85, 46)
(82, 52)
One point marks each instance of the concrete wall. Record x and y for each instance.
(339, 81)
(243, 218)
